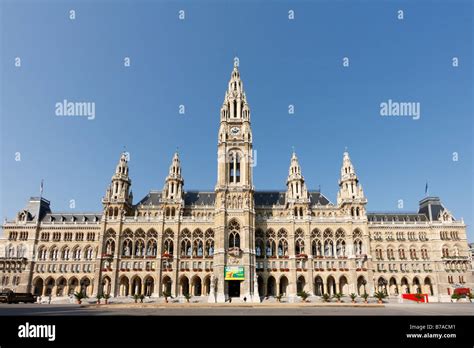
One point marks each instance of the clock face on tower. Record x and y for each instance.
(235, 130)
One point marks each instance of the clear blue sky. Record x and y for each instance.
(282, 62)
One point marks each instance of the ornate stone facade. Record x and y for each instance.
(182, 242)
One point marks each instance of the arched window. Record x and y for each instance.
(358, 247)
(168, 246)
(151, 248)
(209, 247)
(197, 248)
(140, 248)
(234, 236)
(76, 253)
(316, 248)
(378, 254)
(390, 254)
(341, 247)
(424, 253)
(270, 248)
(110, 247)
(328, 248)
(413, 253)
(65, 253)
(401, 253)
(234, 167)
(88, 253)
(445, 251)
(186, 247)
(127, 247)
(42, 253)
(299, 246)
(53, 254)
(282, 247)
(9, 251)
(259, 247)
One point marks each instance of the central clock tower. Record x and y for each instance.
(234, 259)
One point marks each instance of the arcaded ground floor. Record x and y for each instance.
(405, 309)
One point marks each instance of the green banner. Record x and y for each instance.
(234, 273)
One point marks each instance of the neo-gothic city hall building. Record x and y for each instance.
(234, 241)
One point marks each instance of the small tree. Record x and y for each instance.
(141, 298)
(338, 296)
(326, 298)
(365, 296)
(353, 297)
(80, 296)
(187, 297)
(380, 295)
(304, 295)
(99, 297)
(106, 298)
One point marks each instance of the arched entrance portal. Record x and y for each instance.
(184, 286)
(38, 287)
(271, 286)
(331, 285)
(428, 287)
(283, 285)
(300, 284)
(343, 285)
(318, 286)
(261, 286)
(361, 286)
(149, 286)
(166, 285)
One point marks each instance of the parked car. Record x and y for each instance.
(17, 297)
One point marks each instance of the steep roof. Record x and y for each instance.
(395, 216)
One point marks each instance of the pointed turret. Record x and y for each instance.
(350, 192)
(118, 194)
(296, 187)
(235, 106)
(173, 189)
(297, 198)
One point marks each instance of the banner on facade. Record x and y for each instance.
(234, 273)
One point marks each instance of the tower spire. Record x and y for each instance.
(118, 193)
(296, 187)
(173, 189)
(235, 160)
(350, 192)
